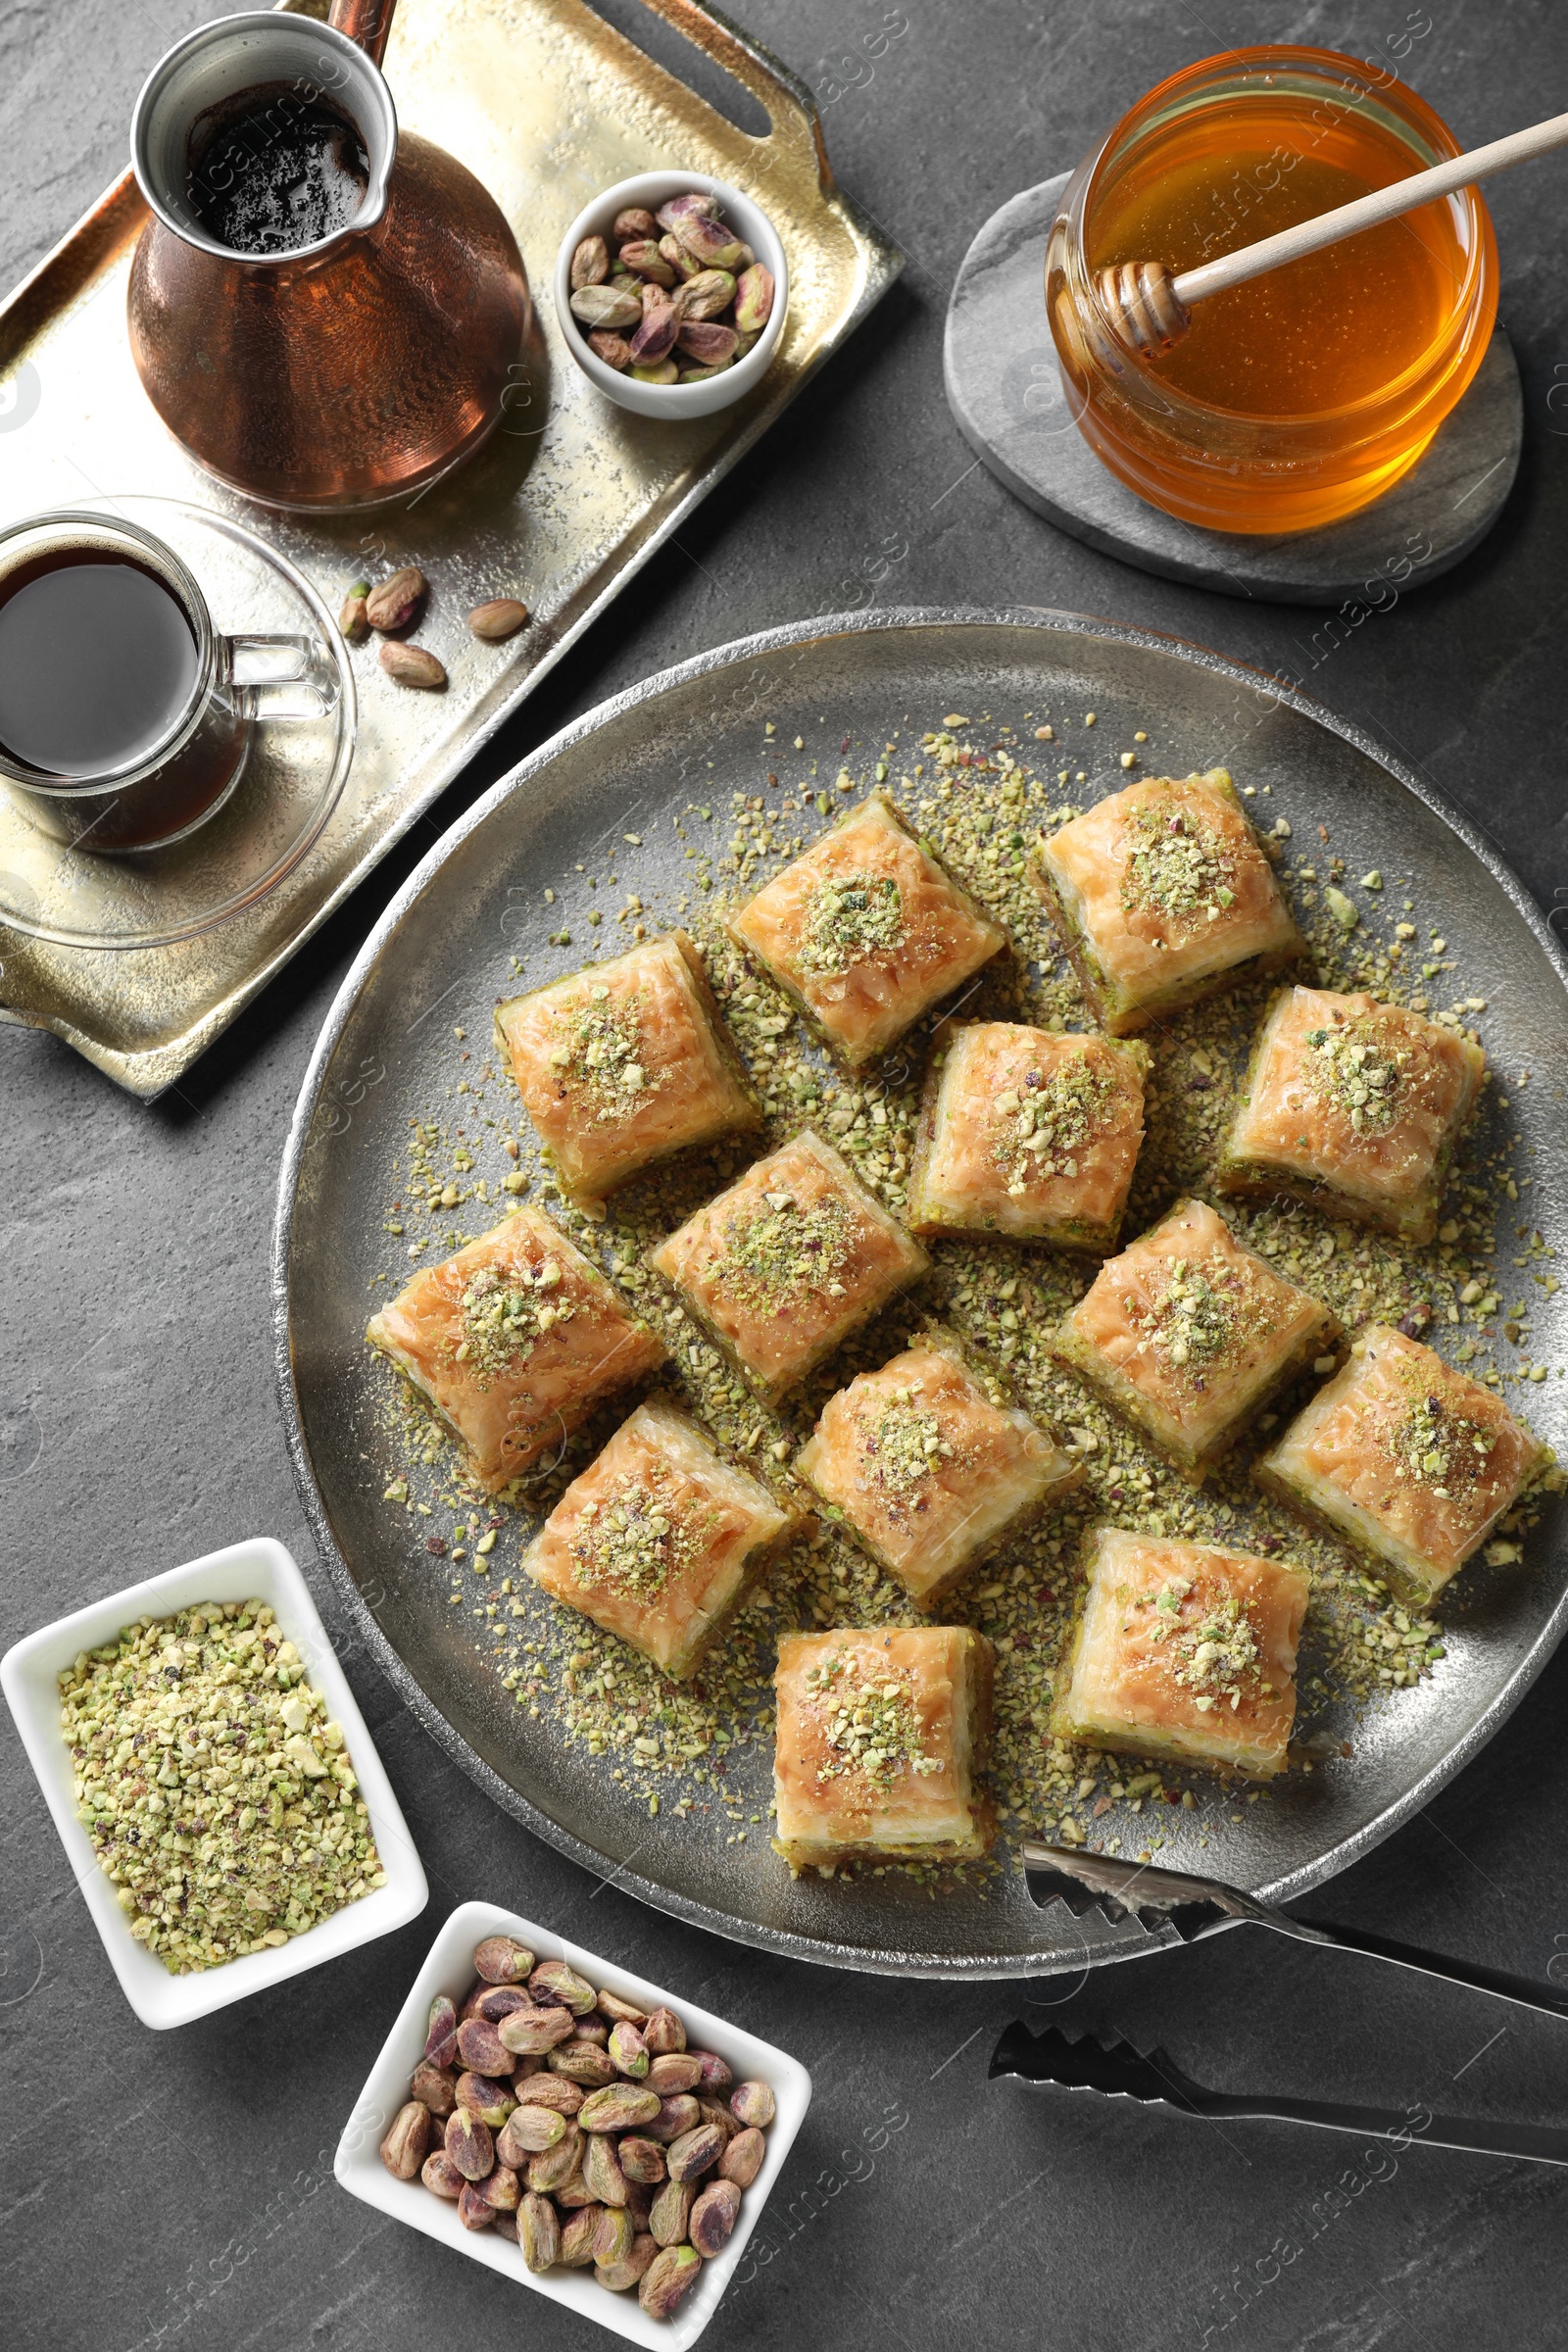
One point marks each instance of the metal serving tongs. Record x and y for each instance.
(1197, 1907)
(1119, 2072)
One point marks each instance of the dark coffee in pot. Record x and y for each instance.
(273, 170)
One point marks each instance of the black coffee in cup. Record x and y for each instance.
(98, 662)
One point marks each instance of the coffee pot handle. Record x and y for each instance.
(366, 22)
(280, 677)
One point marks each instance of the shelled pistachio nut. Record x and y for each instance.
(628, 2052)
(752, 2103)
(671, 2211)
(715, 2073)
(675, 2115)
(406, 2145)
(590, 264)
(539, 2232)
(742, 2160)
(498, 2001)
(393, 603)
(554, 1981)
(706, 342)
(713, 2218)
(441, 2042)
(528, 2031)
(644, 258)
(666, 373)
(554, 2167)
(614, 350)
(470, 2144)
(695, 2152)
(500, 2188)
(664, 2032)
(634, 222)
(619, 2012)
(672, 2071)
(582, 2062)
(440, 2174)
(578, 2238)
(641, 2160)
(474, 2211)
(435, 2086)
(619, 2276)
(498, 618)
(413, 666)
(667, 2278)
(705, 295)
(612, 2235)
(480, 2046)
(528, 2131)
(619, 2107)
(351, 617)
(602, 2172)
(482, 2095)
(654, 338)
(754, 298)
(680, 261)
(503, 1960)
(606, 306)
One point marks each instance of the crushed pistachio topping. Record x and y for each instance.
(1359, 1068)
(504, 1318)
(1176, 866)
(770, 1251)
(600, 1051)
(1200, 1314)
(870, 1722)
(636, 1537)
(219, 1798)
(850, 917)
(902, 1440)
(1039, 1123)
(1440, 1450)
(1214, 1652)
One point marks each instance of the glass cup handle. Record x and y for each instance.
(280, 677)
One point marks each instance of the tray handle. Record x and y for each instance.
(788, 102)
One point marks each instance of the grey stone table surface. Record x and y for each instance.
(175, 2190)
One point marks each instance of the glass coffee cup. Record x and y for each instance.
(125, 715)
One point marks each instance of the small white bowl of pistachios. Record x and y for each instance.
(672, 291)
(582, 2132)
(213, 1782)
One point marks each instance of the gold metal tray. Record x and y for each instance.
(546, 104)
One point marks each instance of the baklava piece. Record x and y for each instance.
(783, 1266)
(660, 1538)
(1163, 893)
(1354, 1108)
(1184, 1650)
(866, 932)
(928, 1470)
(1189, 1334)
(881, 1741)
(1029, 1134)
(624, 1063)
(513, 1342)
(1411, 1461)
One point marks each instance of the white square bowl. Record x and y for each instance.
(258, 1570)
(450, 1970)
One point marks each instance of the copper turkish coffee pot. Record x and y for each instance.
(344, 372)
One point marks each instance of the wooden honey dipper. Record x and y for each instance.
(1151, 310)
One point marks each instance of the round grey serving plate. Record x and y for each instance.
(1009, 399)
(438, 958)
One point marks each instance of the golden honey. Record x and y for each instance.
(1299, 397)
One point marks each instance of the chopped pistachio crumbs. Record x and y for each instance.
(1177, 866)
(1201, 1316)
(700, 1752)
(850, 917)
(1360, 1068)
(600, 1051)
(1214, 1652)
(1039, 1123)
(502, 1321)
(1440, 1450)
(220, 1801)
(903, 1441)
(771, 1250)
(637, 1538)
(869, 1720)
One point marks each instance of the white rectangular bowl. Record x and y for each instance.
(450, 1970)
(258, 1570)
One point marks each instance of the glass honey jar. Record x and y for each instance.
(1305, 394)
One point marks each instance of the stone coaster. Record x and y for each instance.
(1006, 391)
